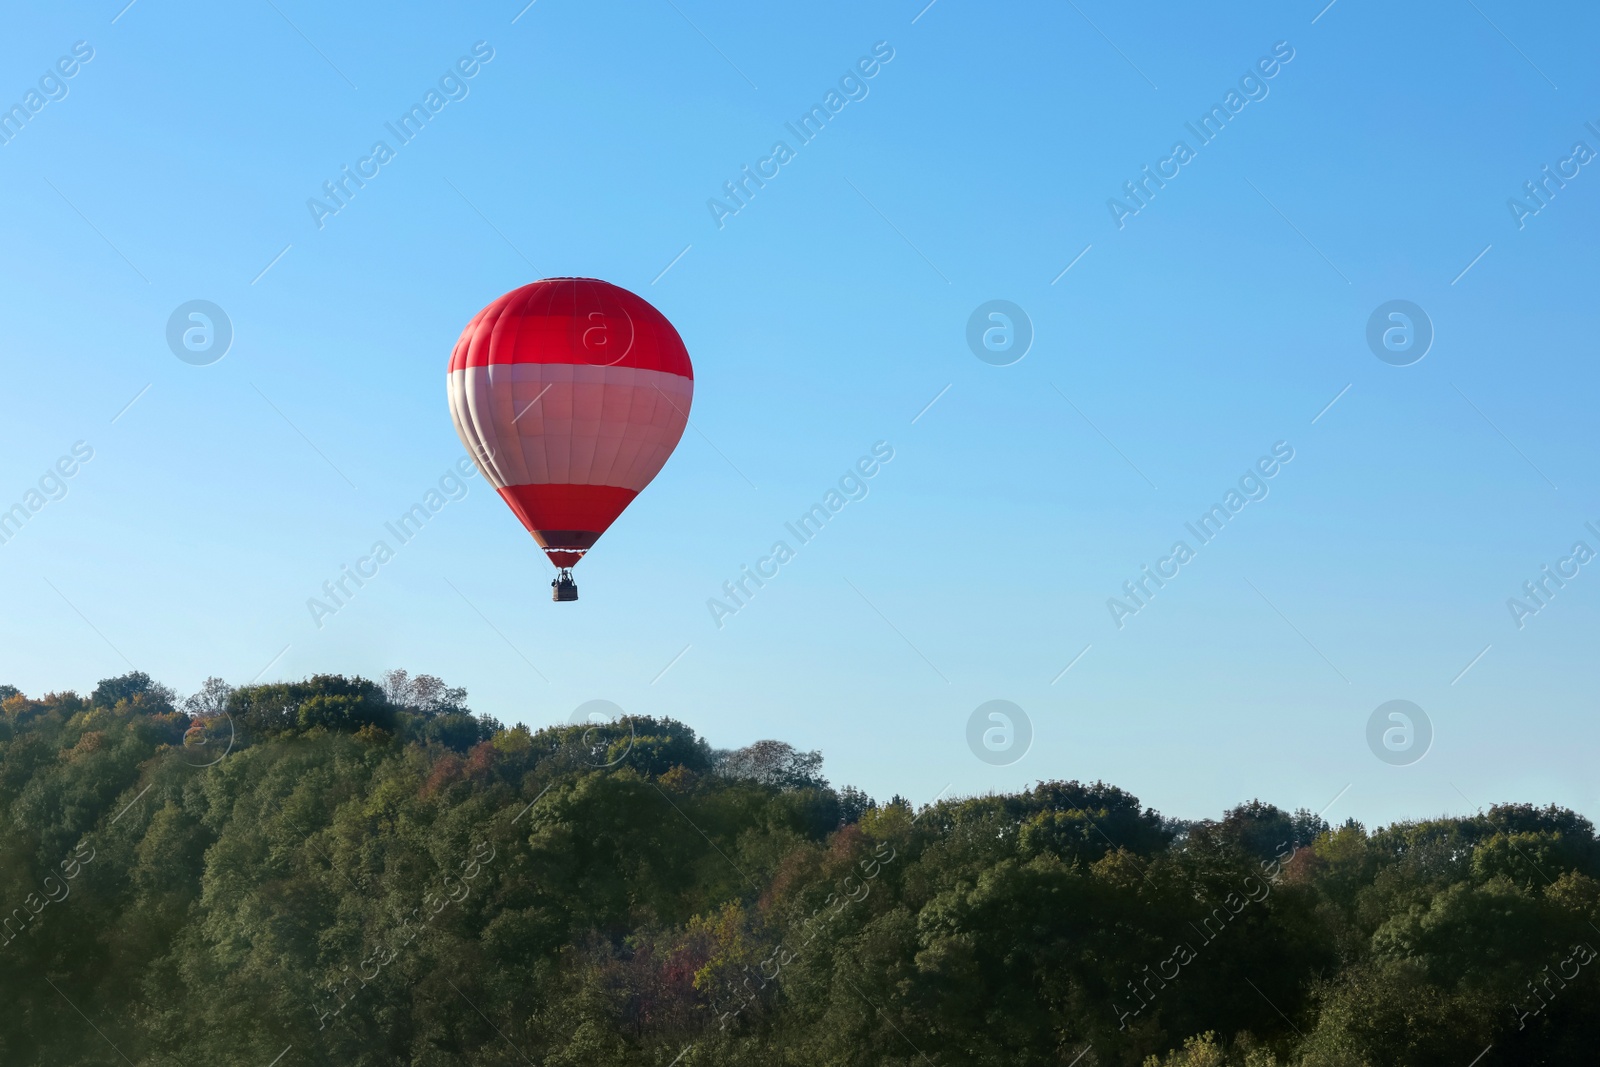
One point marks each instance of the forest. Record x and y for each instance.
(356, 872)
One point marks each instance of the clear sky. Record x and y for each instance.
(1188, 338)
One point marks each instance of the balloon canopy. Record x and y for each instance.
(570, 394)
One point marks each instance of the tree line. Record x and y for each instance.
(343, 871)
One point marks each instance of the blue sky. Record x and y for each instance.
(822, 318)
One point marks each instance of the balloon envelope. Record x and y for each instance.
(570, 394)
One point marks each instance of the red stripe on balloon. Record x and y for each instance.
(566, 517)
(580, 321)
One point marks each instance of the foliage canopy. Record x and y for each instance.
(369, 874)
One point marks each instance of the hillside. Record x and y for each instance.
(337, 871)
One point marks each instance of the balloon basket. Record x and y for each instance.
(562, 587)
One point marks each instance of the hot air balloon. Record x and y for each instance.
(569, 394)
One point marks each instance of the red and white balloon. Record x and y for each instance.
(570, 394)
